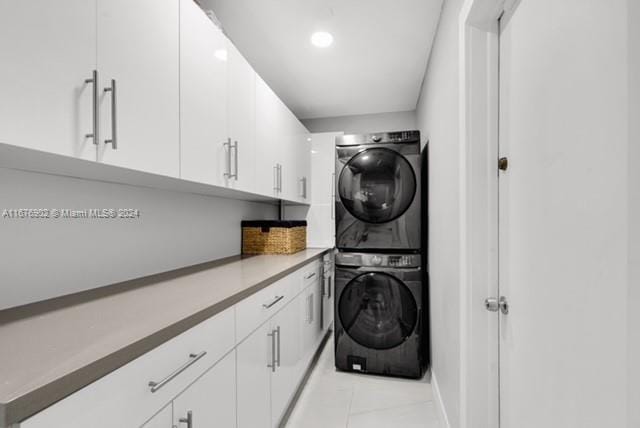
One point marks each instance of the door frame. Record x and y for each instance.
(478, 198)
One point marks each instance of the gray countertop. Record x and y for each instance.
(51, 349)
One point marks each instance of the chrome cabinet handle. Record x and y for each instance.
(309, 276)
(303, 187)
(278, 342)
(227, 146)
(311, 315)
(275, 177)
(114, 114)
(95, 133)
(333, 195)
(330, 286)
(304, 194)
(235, 160)
(155, 386)
(273, 302)
(279, 178)
(188, 420)
(272, 335)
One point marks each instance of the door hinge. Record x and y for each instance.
(503, 164)
(494, 305)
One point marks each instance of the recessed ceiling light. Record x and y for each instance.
(321, 39)
(221, 54)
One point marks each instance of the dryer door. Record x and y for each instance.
(377, 185)
(377, 310)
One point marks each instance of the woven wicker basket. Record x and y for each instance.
(273, 237)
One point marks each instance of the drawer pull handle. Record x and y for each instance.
(155, 386)
(276, 300)
(309, 276)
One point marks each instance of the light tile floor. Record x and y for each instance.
(333, 399)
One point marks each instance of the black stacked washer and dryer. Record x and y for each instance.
(381, 293)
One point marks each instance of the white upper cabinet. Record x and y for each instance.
(148, 85)
(138, 50)
(204, 157)
(303, 163)
(47, 51)
(241, 101)
(269, 125)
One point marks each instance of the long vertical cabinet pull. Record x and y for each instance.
(333, 195)
(278, 342)
(272, 335)
(235, 160)
(275, 178)
(114, 115)
(95, 133)
(279, 178)
(228, 149)
(304, 187)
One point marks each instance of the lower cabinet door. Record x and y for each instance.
(284, 380)
(164, 419)
(210, 400)
(254, 355)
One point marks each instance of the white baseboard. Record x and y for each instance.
(442, 412)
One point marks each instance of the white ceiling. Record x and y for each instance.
(376, 63)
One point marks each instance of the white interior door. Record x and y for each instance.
(203, 98)
(47, 51)
(562, 214)
(138, 47)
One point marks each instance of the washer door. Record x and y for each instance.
(377, 310)
(377, 185)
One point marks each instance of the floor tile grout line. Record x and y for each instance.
(353, 393)
(382, 409)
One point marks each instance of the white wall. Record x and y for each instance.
(365, 123)
(437, 119)
(43, 258)
(633, 303)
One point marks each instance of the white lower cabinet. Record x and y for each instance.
(163, 419)
(254, 378)
(284, 380)
(203, 378)
(211, 400)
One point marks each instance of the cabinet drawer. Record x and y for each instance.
(256, 309)
(311, 273)
(124, 398)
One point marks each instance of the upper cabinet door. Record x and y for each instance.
(303, 162)
(211, 400)
(47, 51)
(203, 98)
(242, 119)
(138, 49)
(269, 124)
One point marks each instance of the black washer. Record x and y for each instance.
(377, 185)
(377, 310)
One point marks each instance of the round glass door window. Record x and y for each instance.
(377, 185)
(377, 310)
